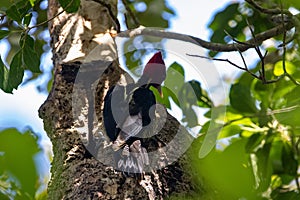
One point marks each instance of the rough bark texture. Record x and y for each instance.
(82, 43)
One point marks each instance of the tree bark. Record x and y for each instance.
(85, 66)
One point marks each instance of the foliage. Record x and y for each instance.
(21, 21)
(232, 23)
(185, 94)
(18, 173)
(261, 123)
(264, 143)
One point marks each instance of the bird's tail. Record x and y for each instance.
(132, 159)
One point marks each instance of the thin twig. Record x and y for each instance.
(283, 45)
(45, 22)
(284, 53)
(48, 20)
(237, 41)
(244, 61)
(266, 10)
(228, 61)
(283, 110)
(131, 14)
(293, 79)
(218, 59)
(241, 54)
(261, 57)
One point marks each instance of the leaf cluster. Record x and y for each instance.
(187, 95)
(18, 173)
(21, 29)
(258, 140)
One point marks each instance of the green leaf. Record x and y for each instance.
(164, 98)
(283, 87)
(23, 7)
(289, 163)
(202, 97)
(276, 154)
(168, 93)
(289, 116)
(14, 13)
(293, 98)
(262, 91)
(32, 2)
(19, 151)
(16, 72)
(225, 113)
(278, 68)
(31, 60)
(187, 96)
(221, 18)
(191, 94)
(229, 131)
(3, 77)
(229, 166)
(197, 88)
(175, 78)
(229, 20)
(292, 3)
(290, 113)
(253, 142)
(4, 197)
(70, 6)
(4, 33)
(190, 117)
(27, 19)
(29, 56)
(278, 194)
(18, 10)
(241, 99)
(205, 127)
(26, 40)
(263, 164)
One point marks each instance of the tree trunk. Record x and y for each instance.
(85, 66)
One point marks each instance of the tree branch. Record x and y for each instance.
(259, 38)
(45, 22)
(131, 14)
(275, 11)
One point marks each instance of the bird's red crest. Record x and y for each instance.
(155, 69)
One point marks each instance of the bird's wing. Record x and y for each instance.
(115, 109)
(130, 128)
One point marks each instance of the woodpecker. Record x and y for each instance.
(128, 110)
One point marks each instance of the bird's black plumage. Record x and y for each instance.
(122, 101)
(128, 110)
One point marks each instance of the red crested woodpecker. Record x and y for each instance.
(128, 110)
